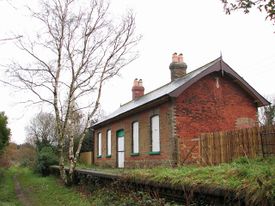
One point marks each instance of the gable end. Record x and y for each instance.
(225, 69)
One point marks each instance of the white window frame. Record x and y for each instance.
(109, 142)
(155, 134)
(135, 137)
(99, 144)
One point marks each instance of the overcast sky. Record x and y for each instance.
(198, 29)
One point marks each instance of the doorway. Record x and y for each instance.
(120, 149)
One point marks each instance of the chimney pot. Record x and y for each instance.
(180, 58)
(135, 82)
(140, 83)
(175, 57)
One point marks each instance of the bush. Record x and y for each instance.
(4, 162)
(1, 175)
(26, 163)
(45, 158)
(4, 132)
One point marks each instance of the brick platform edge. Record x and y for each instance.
(176, 193)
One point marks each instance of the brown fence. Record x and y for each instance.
(221, 147)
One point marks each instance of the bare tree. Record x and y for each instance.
(267, 114)
(41, 130)
(10, 38)
(79, 46)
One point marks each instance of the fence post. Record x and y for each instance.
(261, 138)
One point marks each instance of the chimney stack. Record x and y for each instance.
(177, 67)
(137, 89)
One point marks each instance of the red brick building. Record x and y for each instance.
(158, 128)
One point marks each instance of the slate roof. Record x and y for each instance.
(176, 87)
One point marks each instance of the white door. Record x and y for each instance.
(155, 134)
(120, 151)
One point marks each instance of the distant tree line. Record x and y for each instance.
(4, 132)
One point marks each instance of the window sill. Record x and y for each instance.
(134, 154)
(99, 156)
(108, 156)
(154, 153)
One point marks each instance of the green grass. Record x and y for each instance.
(40, 190)
(255, 178)
(241, 173)
(7, 194)
(48, 191)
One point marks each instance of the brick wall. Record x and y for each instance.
(214, 103)
(144, 159)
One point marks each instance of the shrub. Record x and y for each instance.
(4, 132)
(1, 174)
(26, 163)
(4, 162)
(45, 158)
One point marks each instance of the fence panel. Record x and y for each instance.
(267, 137)
(226, 146)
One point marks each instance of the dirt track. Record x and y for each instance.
(20, 193)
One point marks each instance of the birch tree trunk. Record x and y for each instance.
(77, 47)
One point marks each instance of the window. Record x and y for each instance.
(109, 143)
(155, 135)
(99, 148)
(135, 138)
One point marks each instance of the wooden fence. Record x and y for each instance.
(226, 146)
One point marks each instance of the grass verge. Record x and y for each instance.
(48, 191)
(7, 193)
(40, 190)
(253, 178)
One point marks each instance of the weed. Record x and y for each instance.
(242, 160)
